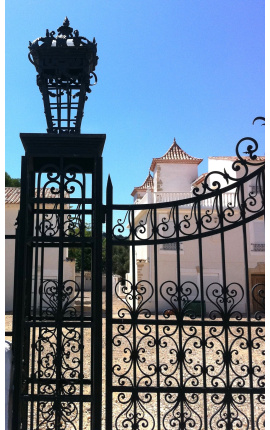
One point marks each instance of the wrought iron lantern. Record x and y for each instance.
(65, 65)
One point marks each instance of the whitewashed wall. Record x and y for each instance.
(50, 259)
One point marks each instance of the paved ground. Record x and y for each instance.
(167, 357)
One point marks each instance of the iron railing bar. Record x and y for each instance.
(8, 333)
(67, 200)
(200, 250)
(247, 293)
(225, 296)
(109, 303)
(52, 397)
(82, 212)
(156, 289)
(200, 390)
(35, 249)
(68, 92)
(28, 342)
(96, 339)
(80, 106)
(59, 102)
(68, 322)
(58, 315)
(135, 286)
(42, 380)
(66, 211)
(178, 274)
(19, 295)
(196, 323)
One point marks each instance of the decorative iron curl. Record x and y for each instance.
(135, 414)
(53, 177)
(242, 162)
(182, 414)
(119, 228)
(46, 347)
(235, 418)
(225, 300)
(258, 296)
(49, 293)
(71, 347)
(47, 414)
(179, 299)
(134, 298)
(141, 228)
(70, 177)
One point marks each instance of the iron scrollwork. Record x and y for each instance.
(51, 293)
(189, 354)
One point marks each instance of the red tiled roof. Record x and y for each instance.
(13, 194)
(199, 180)
(148, 184)
(175, 155)
(234, 158)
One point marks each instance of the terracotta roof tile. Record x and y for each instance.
(234, 158)
(175, 155)
(199, 180)
(13, 194)
(148, 184)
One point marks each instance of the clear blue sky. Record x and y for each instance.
(189, 69)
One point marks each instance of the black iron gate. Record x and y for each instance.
(185, 336)
(57, 329)
(185, 328)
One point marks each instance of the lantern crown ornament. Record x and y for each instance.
(65, 65)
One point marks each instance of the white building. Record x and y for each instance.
(175, 175)
(12, 205)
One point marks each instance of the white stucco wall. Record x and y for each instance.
(11, 214)
(174, 177)
(189, 260)
(50, 269)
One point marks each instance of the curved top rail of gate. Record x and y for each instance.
(211, 209)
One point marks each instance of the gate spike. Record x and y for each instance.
(109, 182)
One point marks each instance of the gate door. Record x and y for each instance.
(57, 329)
(185, 346)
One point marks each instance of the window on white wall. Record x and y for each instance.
(171, 246)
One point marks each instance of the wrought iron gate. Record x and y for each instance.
(185, 334)
(57, 332)
(184, 330)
